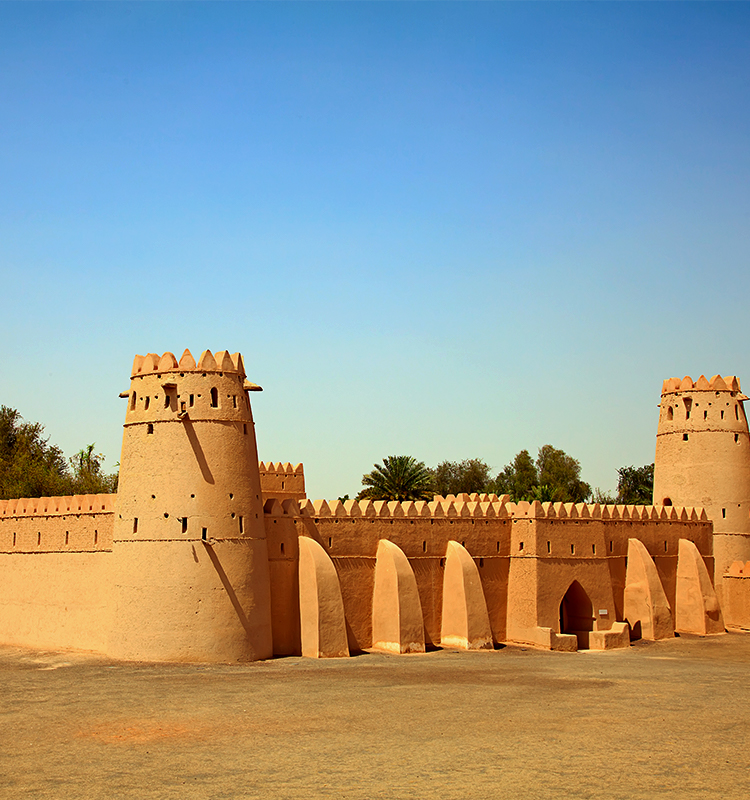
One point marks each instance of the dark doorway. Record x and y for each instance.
(577, 614)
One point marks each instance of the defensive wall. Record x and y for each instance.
(526, 557)
(205, 554)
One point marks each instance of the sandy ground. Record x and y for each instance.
(666, 719)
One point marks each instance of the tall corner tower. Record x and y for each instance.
(190, 562)
(703, 459)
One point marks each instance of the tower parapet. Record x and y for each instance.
(703, 459)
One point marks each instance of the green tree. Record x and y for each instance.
(454, 477)
(88, 475)
(635, 485)
(32, 467)
(603, 497)
(518, 478)
(562, 473)
(555, 476)
(399, 478)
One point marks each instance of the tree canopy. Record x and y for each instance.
(554, 476)
(399, 478)
(32, 467)
(635, 485)
(454, 477)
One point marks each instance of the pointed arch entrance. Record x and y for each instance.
(577, 614)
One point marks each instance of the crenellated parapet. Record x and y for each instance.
(55, 506)
(66, 524)
(208, 362)
(728, 383)
(282, 481)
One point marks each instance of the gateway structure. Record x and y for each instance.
(205, 554)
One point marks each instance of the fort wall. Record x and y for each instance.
(55, 560)
(527, 556)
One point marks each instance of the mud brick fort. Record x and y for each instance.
(206, 555)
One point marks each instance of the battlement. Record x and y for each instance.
(279, 468)
(208, 362)
(58, 506)
(500, 508)
(729, 383)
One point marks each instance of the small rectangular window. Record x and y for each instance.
(723, 513)
(549, 547)
(242, 524)
(184, 524)
(572, 549)
(192, 400)
(135, 524)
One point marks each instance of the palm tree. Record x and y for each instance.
(400, 478)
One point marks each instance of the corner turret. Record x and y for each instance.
(191, 564)
(703, 459)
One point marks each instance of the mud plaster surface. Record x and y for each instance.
(665, 719)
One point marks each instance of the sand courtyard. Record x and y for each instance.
(661, 719)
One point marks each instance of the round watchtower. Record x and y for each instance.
(190, 559)
(703, 459)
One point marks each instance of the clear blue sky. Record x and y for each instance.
(451, 230)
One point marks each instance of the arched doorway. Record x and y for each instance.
(577, 614)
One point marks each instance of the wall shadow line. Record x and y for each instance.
(198, 450)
